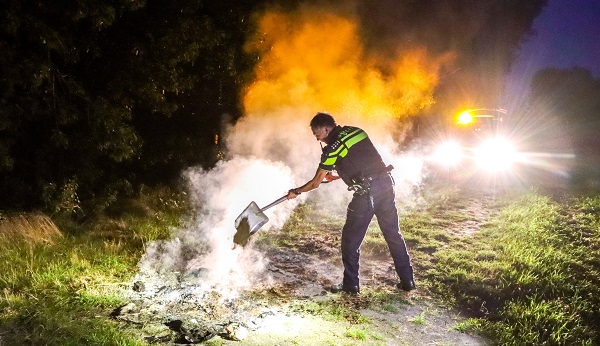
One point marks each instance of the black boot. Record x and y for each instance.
(407, 278)
(344, 288)
(407, 285)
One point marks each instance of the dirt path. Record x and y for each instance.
(476, 209)
(296, 309)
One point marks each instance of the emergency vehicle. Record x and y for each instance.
(477, 141)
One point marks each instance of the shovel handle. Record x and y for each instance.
(274, 203)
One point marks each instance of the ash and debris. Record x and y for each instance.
(182, 315)
(242, 235)
(173, 307)
(176, 308)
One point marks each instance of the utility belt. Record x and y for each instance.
(362, 184)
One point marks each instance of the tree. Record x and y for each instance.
(100, 95)
(573, 98)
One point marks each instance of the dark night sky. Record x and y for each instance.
(567, 34)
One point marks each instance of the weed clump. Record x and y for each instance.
(33, 228)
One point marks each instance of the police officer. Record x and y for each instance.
(351, 153)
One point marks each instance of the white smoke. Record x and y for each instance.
(269, 155)
(271, 149)
(205, 251)
(283, 136)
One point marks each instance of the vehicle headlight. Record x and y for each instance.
(449, 153)
(496, 154)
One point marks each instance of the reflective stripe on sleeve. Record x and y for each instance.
(341, 146)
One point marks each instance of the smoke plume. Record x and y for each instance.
(312, 59)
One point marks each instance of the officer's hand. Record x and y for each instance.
(331, 177)
(293, 193)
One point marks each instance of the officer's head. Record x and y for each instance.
(321, 125)
(322, 120)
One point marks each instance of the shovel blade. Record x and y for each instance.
(253, 219)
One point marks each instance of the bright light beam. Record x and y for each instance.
(449, 153)
(496, 154)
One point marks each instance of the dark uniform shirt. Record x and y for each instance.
(351, 153)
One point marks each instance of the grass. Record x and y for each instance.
(357, 334)
(468, 325)
(419, 320)
(32, 227)
(58, 288)
(530, 275)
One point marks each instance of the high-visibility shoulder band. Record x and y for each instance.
(348, 141)
(354, 138)
(349, 137)
(332, 158)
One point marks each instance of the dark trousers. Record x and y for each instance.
(379, 201)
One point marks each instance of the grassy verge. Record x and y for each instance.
(59, 288)
(531, 275)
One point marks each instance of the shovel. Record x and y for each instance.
(251, 220)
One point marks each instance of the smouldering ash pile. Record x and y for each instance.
(178, 312)
(174, 308)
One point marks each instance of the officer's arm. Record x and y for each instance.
(311, 185)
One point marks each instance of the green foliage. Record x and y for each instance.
(107, 92)
(64, 201)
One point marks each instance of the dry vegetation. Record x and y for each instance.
(33, 228)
